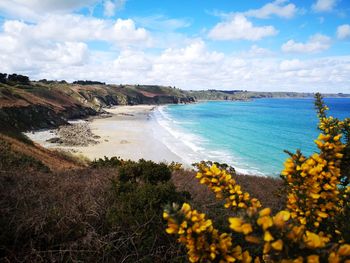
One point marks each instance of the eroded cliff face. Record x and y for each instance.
(47, 105)
(34, 117)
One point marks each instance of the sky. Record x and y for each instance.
(258, 45)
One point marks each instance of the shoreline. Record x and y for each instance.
(128, 133)
(135, 132)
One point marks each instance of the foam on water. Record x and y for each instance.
(188, 146)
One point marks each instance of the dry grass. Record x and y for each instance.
(51, 159)
(74, 213)
(268, 190)
(53, 216)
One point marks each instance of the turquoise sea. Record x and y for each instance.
(250, 136)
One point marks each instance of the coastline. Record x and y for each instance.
(129, 133)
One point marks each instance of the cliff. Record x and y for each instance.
(44, 104)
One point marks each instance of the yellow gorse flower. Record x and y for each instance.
(307, 230)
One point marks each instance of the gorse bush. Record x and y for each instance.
(313, 227)
(138, 196)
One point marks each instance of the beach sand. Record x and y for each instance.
(128, 133)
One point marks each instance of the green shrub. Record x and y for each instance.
(106, 162)
(144, 171)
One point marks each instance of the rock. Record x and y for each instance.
(55, 140)
(77, 135)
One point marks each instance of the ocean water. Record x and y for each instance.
(250, 136)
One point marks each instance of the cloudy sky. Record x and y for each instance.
(276, 45)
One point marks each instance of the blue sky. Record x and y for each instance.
(227, 44)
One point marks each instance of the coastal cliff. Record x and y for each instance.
(28, 105)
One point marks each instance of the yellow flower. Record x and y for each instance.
(268, 237)
(165, 215)
(313, 259)
(246, 257)
(236, 223)
(229, 258)
(265, 212)
(322, 214)
(315, 196)
(333, 258)
(267, 248)
(215, 170)
(173, 228)
(344, 250)
(280, 218)
(252, 239)
(277, 245)
(313, 240)
(247, 228)
(185, 208)
(194, 258)
(265, 222)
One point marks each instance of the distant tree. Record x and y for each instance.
(3, 77)
(88, 82)
(18, 78)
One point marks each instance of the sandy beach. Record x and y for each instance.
(128, 133)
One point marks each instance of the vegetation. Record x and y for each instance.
(110, 211)
(10, 160)
(105, 213)
(311, 228)
(13, 78)
(88, 82)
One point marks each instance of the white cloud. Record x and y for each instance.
(324, 5)
(239, 27)
(280, 8)
(33, 9)
(343, 31)
(315, 44)
(291, 65)
(79, 28)
(111, 6)
(193, 66)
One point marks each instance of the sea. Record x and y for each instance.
(251, 135)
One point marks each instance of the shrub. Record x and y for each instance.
(313, 227)
(106, 162)
(138, 197)
(144, 171)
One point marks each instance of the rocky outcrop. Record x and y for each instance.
(75, 135)
(33, 117)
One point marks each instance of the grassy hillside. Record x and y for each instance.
(54, 209)
(26, 105)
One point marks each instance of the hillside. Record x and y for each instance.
(248, 95)
(27, 105)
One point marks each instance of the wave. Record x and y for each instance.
(191, 147)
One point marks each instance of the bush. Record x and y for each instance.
(106, 162)
(313, 227)
(144, 171)
(138, 197)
